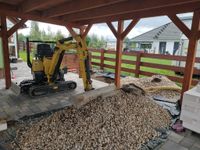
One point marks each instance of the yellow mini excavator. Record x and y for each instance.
(48, 77)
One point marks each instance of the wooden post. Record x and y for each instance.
(137, 65)
(190, 61)
(120, 34)
(5, 52)
(119, 53)
(102, 59)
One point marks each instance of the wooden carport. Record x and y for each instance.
(82, 14)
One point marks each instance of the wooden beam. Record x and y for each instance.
(30, 5)
(180, 25)
(124, 7)
(130, 27)
(112, 28)
(5, 52)
(71, 31)
(144, 14)
(16, 27)
(10, 10)
(192, 48)
(119, 53)
(77, 6)
(85, 33)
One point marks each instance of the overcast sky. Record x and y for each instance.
(142, 26)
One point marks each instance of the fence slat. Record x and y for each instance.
(95, 63)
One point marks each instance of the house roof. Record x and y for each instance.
(168, 31)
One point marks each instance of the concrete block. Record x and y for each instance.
(83, 98)
(3, 125)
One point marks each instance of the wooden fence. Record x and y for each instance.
(100, 56)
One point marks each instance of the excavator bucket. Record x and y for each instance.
(16, 90)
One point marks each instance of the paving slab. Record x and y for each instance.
(175, 137)
(170, 145)
(15, 107)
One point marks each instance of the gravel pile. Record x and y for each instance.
(123, 121)
(156, 85)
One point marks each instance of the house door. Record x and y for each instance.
(162, 47)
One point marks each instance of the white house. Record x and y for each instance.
(161, 40)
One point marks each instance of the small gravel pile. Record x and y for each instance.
(123, 121)
(156, 85)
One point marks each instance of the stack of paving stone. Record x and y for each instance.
(123, 121)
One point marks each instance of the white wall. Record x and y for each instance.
(169, 46)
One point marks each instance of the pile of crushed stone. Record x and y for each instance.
(122, 121)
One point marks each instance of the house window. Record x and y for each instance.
(176, 47)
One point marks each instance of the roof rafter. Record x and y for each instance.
(77, 6)
(148, 13)
(10, 10)
(87, 30)
(112, 28)
(129, 28)
(30, 5)
(124, 7)
(180, 25)
(16, 27)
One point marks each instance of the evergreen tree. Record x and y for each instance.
(35, 33)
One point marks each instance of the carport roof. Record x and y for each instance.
(81, 12)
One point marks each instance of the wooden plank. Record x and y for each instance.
(134, 53)
(160, 66)
(102, 58)
(30, 5)
(145, 13)
(109, 66)
(128, 70)
(5, 52)
(112, 28)
(96, 57)
(173, 78)
(161, 56)
(77, 6)
(95, 63)
(192, 48)
(130, 27)
(109, 59)
(131, 62)
(138, 63)
(110, 52)
(125, 7)
(94, 50)
(11, 10)
(180, 25)
(16, 27)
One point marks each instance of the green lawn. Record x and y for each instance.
(153, 70)
(22, 55)
(151, 60)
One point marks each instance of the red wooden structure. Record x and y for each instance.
(82, 14)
